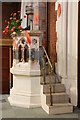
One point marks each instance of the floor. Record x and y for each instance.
(9, 111)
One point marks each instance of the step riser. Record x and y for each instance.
(53, 80)
(57, 99)
(54, 88)
(46, 72)
(60, 110)
(60, 100)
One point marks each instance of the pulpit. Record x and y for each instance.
(26, 88)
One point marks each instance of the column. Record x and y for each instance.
(23, 6)
(29, 54)
(59, 44)
(72, 50)
(17, 55)
(64, 38)
(13, 56)
(35, 8)
(21, 54)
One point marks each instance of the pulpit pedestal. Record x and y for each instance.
(26, 90)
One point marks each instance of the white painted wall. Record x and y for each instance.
(72, 49)
(67, 29)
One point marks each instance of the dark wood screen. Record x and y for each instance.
(5, 69)
(7, 9)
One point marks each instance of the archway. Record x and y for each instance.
(20, 53)
(26, 53)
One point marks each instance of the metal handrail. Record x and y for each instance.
(47, 57)
(50, 71)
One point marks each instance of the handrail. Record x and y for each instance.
(47, 58)
(50, 71)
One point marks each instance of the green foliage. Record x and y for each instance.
(14, 23)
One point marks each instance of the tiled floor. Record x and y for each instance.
(16, 112)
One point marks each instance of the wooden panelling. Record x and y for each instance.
(5, 87)
(6, 55)
(6, 42)
(5, 63)
(4, 70)
(5, 52)
(5, 74)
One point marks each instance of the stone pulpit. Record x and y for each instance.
(26, 88)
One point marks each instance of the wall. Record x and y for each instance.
(43, 23)
(72, 49)
(52, 35)
(67, 28)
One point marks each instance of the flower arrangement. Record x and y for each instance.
(14, 25)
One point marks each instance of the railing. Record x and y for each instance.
(45, 55)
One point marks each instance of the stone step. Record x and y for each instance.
(57, 98)
(46, 70)
(53, 80)
(55, 88)
(58, 108)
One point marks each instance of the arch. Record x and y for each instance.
(20, 53)
(22, 42)
(26, 53)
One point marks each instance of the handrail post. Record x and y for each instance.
(43, 68)
(50, 85)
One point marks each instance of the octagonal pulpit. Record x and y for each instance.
(26, 71)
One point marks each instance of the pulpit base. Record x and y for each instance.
(26, 91)
(21, 99)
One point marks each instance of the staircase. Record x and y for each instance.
(53, 95)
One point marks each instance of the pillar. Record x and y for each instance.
(35, 8)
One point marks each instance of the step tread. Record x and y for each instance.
(47, 83)
(53, 80)
(60, 104)
(59, 108)
(55, 88)
(53, 84)
(62, 93)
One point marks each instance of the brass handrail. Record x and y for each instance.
(47, 57)
(50, 71)
(50, 85)
(43, 69)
